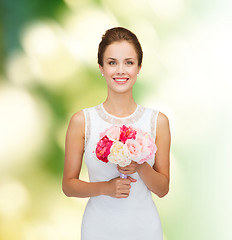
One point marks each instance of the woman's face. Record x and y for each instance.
(120, 66)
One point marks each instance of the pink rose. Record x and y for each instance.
(103, 149)
(133, 149)
(113, 133)
(149, 149)
(127, 133)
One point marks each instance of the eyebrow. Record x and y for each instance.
(116, 59)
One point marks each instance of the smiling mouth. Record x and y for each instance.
(121, 79)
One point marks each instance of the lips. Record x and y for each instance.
(121, 80)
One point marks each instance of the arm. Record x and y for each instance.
(156, 178)
(74, 148)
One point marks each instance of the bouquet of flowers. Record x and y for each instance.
(121, 145)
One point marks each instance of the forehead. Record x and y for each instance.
(122, 49)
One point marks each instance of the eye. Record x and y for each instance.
(112, 63)
(129, 62)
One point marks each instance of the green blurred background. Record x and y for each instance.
(48, 71)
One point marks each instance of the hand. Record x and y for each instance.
(130, 169)
(119, 187)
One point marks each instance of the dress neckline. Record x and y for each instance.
(132, 118)
(131, 115)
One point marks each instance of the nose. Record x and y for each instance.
(120, 69)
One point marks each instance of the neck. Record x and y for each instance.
(120, 105)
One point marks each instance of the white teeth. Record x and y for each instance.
(120, 80)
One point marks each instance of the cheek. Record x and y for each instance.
(133, 72)
(109, 71)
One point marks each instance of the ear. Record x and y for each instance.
(101, 69)
(139, 68)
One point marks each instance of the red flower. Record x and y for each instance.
(103, 149)
(127, 133)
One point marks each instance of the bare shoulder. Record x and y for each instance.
(162, 125)
(162, 120)
(78, 118)
(77, 123)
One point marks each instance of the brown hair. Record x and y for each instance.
(119, 34)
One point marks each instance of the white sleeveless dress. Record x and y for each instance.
(108, 218)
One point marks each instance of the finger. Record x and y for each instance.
(125, 188)
(125, 192)
(122, 168)
(125, 167)
(124, 171)
(125, 181)
(127, 172)
(132, 179)
(123, 196)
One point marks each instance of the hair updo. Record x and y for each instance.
(119, 34)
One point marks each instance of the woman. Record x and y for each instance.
(118, 208)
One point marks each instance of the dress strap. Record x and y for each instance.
(154, 117)
(87, 126)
